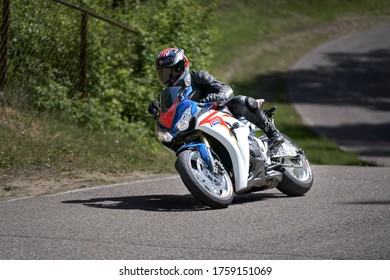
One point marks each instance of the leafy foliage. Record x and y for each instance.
(45, 51)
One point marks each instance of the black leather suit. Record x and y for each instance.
(205, 84)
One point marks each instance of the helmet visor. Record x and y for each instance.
(168, 76)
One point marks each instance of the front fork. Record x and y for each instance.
(214, 165)
(204, 150)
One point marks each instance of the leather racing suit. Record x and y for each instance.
(207, 88)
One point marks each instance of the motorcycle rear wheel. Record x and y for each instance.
(298, 180)
(211, 189)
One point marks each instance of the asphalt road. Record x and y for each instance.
(342, 90)
(344, 216)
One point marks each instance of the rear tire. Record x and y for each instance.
(214, 190)
(296, 181)
(292, 186)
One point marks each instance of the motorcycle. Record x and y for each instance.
(219, 156)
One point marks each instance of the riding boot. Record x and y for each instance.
(266, 125)
(249, 108)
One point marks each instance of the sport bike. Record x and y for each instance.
(219, 156)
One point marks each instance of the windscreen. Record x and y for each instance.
(168, 97)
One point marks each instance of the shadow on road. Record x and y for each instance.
(163, 203)
(357, 79)
(367, 202)
(168, 203)
(359, 85)
(360, 79)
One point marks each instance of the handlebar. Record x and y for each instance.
(206, 104)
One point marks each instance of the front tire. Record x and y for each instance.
(211, 188)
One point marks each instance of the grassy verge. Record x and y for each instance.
(36, 139)
(43, 154)
(245, 23)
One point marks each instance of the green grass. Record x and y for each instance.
(244, 23)
(29, 139)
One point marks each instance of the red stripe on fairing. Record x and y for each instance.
(207, 119)
(211, 119)
(166, 119)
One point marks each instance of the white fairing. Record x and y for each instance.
(218, 124)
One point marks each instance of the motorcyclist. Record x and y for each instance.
(172, 68)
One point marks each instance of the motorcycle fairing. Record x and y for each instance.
(217, 124)
(214, 119)
(166, 118)
(170, 117)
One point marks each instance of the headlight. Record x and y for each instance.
(164, 136)
(184, 121)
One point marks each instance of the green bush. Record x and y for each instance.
(121, 81)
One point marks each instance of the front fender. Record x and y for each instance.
(202, 148)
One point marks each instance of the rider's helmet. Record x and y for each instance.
(172, 66)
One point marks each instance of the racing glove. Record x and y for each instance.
(214, 97)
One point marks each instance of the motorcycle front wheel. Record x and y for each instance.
(212, 188)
